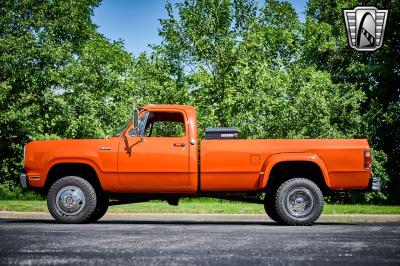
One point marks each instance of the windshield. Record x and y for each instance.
(142, 122)
(119, 131)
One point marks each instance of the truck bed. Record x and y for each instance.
(244, 165)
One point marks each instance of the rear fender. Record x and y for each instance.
(271, 161)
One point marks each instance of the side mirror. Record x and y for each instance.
(135, 121)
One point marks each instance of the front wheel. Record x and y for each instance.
(71, 199)
(299, 201)
(101, 208)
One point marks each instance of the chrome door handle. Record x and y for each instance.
(179, 144)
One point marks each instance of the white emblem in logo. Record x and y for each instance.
(365, 27)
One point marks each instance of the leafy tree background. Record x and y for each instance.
(242, 64)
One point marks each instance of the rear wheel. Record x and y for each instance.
(299, 201)
(71, 199)
(269, 206)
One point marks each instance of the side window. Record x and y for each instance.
(165, 124)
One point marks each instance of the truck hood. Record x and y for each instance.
(39, 153)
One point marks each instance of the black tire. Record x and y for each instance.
(101, 207)
(71, 199)
(269, 206)
(299, 201)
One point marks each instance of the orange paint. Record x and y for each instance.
(125, 163)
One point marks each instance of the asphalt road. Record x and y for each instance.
(112, 242)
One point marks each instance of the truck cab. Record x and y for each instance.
(161, 154)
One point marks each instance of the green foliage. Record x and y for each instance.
(37, 39)
(257, 68)
(58, 77)
(167, 129)
(379, 160)
(11, 191)
(375, 74)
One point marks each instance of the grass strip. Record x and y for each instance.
(201, 206)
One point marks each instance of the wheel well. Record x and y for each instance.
(284, 171)
(82, 170)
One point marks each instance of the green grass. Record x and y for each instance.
(201, 206)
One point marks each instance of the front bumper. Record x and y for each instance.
(374, 184)
(23, 178)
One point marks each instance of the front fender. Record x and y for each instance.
(272, 160)
(44, 174)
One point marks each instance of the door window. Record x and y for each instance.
(163, 124)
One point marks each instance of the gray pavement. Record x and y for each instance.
(210, 217)
(152, 239)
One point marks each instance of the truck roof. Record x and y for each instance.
(166, 106)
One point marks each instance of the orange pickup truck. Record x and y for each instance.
(157, 155)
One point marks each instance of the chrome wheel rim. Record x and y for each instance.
(299, 202)
(70, 200)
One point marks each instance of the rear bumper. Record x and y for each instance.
(23, 178)
(374, 184)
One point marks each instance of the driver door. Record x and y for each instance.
(158, 160)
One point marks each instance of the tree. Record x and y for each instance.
(95, 92)
(202, 42)
(58, 77)
(244, 71)
(376, 74)
(37, 38)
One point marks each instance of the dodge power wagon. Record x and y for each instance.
(157, 155)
